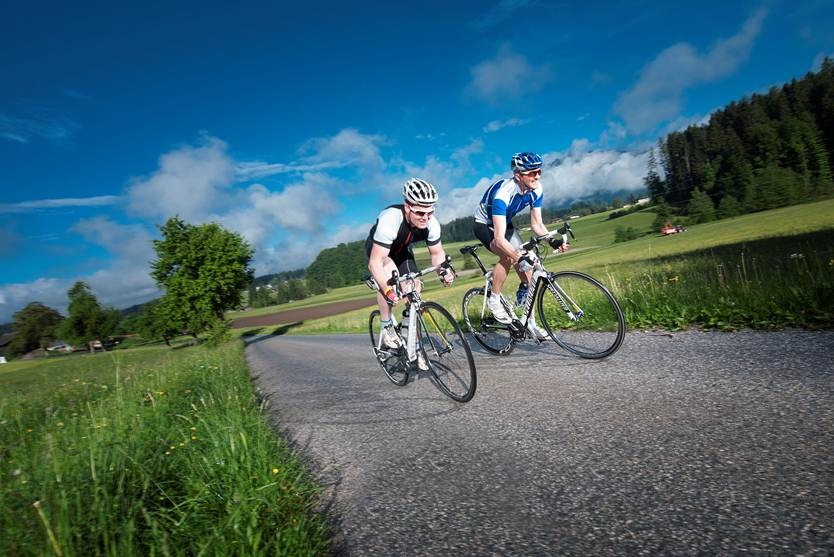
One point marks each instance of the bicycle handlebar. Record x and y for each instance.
(564, 231)
(444, 267)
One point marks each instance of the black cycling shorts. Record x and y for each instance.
(404, 259)
(486, 234)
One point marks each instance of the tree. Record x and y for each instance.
(701, 207)
(34, 327)
(623, 234)
(204, 270)
(343, 265)
(728, 207)
(663, 212)
(159, 320)
(87, 321)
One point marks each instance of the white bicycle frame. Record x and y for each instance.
(538, 272)
(411, 339)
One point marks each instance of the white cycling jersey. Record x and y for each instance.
(393, 232)
(504, 197)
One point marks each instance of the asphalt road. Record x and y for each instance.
(680, 444)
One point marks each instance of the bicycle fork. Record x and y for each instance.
(571, 309)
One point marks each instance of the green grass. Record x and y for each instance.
(148, 452)
(733, 273)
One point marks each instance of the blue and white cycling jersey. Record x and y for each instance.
(504, 198)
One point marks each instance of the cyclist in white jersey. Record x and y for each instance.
(389, 241)
(494, 228)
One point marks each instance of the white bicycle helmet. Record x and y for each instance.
(419, 192)
(522, 162)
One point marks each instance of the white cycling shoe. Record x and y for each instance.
(497, 308)
(537, 331)
(390, 339)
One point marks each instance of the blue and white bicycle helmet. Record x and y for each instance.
(419, 192)
(522, 162)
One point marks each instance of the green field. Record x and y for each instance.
(164, 451)
(763, 270)
(148, 452)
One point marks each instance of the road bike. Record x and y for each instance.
(577, 311)
(429, 332)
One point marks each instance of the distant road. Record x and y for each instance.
(302, 314)
(680, 444)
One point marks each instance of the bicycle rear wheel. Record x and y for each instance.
(493, 336)
(581, 315)
(447, 352)
(391, 360)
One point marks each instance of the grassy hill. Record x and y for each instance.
(767, 269)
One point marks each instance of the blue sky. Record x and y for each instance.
(293, 125)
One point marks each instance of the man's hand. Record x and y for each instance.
(555, 242)
(390, 296)
(447, 276)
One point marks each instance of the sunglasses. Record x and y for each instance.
(532, 173)
(423, 214)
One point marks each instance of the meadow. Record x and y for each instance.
(158, 451)
(148, 452)
(764, 270)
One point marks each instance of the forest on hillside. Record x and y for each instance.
(762, 152)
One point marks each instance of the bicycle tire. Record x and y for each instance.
(581, 314)
(392, 361)
(447, 352)
(493, 336)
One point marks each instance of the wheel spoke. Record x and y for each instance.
(447, 352)
(391, 360)
(493, 336)
(581, 315)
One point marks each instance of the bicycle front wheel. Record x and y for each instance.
(493, 336)
(447, 352)
(391, 360)
(581, 315)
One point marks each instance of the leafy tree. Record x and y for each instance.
(203, 269)
(623, 234)
(747, 147)
(701, 208)
(728, 207)
(87, 320)
(663, 212)
(340, 266)
(159, 319)
(297, 290)
(777, 187)
(34, 327)
(260, 296)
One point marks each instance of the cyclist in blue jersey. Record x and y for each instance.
(494, 228)
(388, 247)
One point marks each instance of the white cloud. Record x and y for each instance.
(348, 147)
(506, 76)
(43, 204)
(42, 126)
(125, 280)
(253, 170)
(190, 182)
(816, 65)
(48, 291)
(579, 173)
(566, 177)
(656, 97)
(497, 125)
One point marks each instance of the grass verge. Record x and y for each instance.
(148, 452)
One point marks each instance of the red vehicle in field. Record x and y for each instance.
(670, 228)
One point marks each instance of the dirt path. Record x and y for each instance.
(302, 314)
